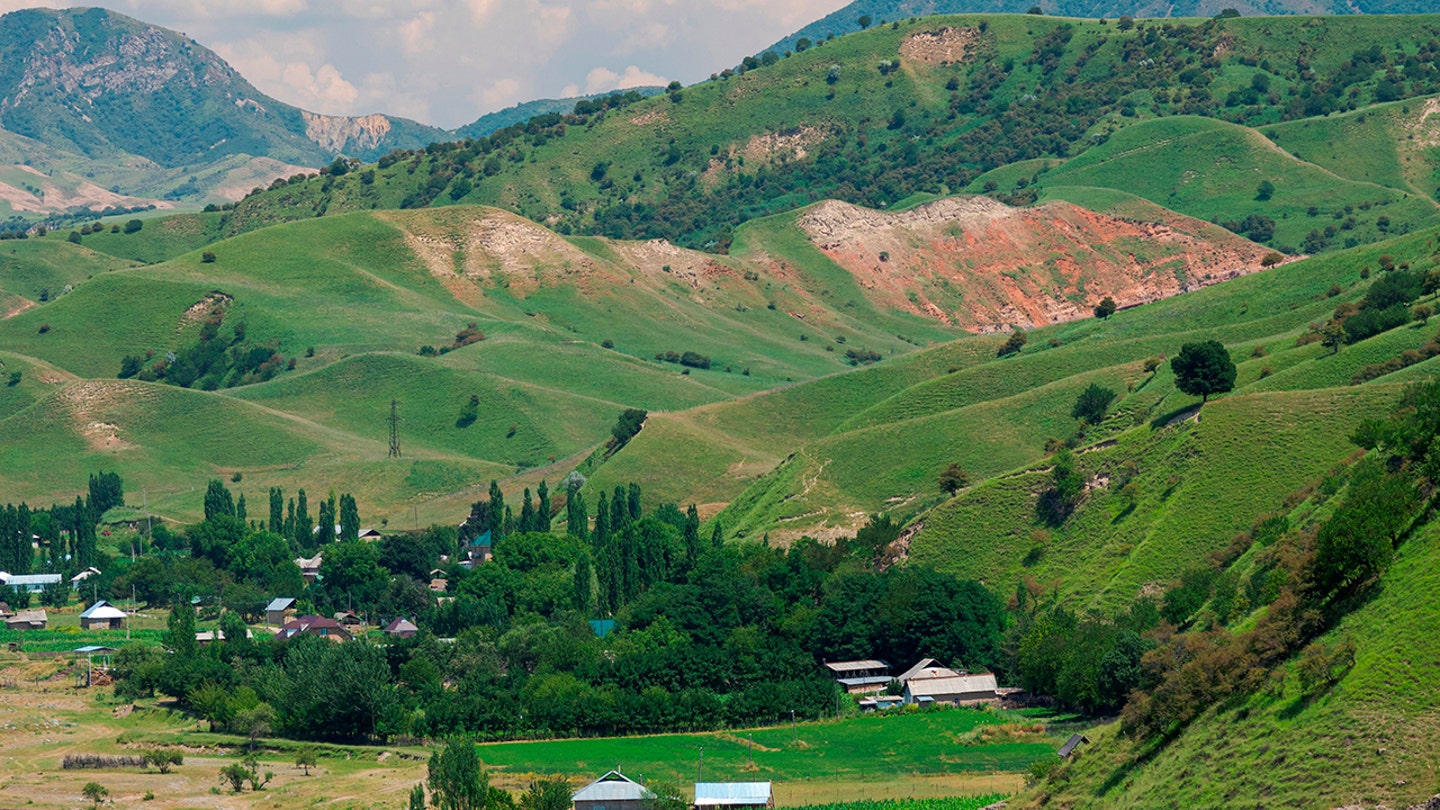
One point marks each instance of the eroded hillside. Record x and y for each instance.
(985, 266)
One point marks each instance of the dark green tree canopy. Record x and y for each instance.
(1202, 369)
(1092, 403)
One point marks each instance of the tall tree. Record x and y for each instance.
(277, 510)
(577, 521)
(497, 510)
(583, 593)
(240, 511)
(349, 518)
(304, 536)
(106, 492)
(218, 500)
(542, 509)
(527, 513)
(82, 534)
(619, 510)
(717, 537)
(634, 502)
(456, 779)
(691, 536)
(327, 520)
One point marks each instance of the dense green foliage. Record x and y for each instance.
(708, 635)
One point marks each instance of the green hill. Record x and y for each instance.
(916, 106)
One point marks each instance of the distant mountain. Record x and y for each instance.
(102, 85)
(520, 113)
(846, 20)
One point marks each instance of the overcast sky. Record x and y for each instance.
(446, 62)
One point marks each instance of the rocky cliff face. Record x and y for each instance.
(101, 84)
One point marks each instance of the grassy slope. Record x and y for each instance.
(30, 266)
(351, 288)
(1384, 143)
(1210, 170)
(1370, 739)
(891, 431)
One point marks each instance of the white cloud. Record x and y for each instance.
(501, 93)
(602, 80)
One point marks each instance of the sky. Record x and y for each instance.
(447, 62)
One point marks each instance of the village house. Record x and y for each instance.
(733, 794)
(613, 791)
(939, 685)
(102, 615)
(401, 628)
(280, 610)
(314, 626)
(27, 620)
(309, 567)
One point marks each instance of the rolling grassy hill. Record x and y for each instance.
(956, 97)
(574, 328)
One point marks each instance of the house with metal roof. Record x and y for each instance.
(733, 794)
(613, 791)
(30, 583)
(860, 677)
(280, 610)
(955, 689)
(102, 615)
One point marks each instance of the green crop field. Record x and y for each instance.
(867, 748)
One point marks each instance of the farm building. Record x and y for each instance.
(102, 615)
(860, 677)
(613, 791)
(27, 620)
(315, 626)
(733, 794)
(84, 575)
(30, 583)
(280, 610)
(401, 628)
(953, 688)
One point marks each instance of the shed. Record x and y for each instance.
(280, 610)
(349, 619)
(439, 584)
(858, 669)
(1071, 744)
(401, 628)
(84, 575)
(733, 794)
(102, 615)
(864, 686)
(27, 620)
(613, 791)
(602, 627)
(957, 689)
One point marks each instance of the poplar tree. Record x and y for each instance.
(277, 511)
(542, 509)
